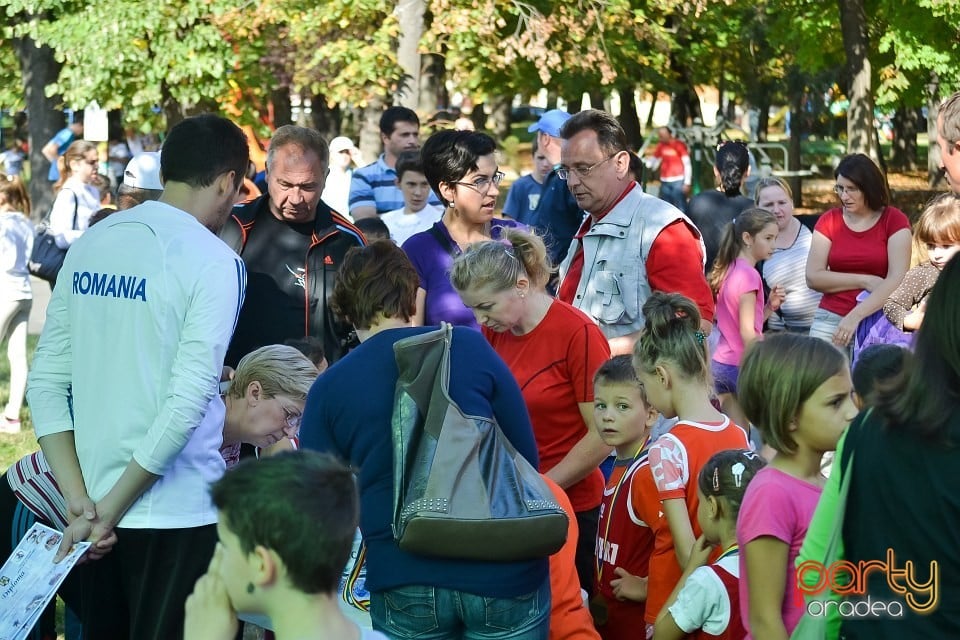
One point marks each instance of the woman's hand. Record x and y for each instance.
(846, 330)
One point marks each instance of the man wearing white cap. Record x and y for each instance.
(336, 193)
(141, 181)
(558, 215)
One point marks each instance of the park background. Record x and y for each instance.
(850, 75)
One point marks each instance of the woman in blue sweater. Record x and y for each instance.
(348, 413)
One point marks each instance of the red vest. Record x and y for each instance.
(735, 628)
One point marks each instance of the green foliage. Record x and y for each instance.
(203, 53)
(11, 92)
(913, 41)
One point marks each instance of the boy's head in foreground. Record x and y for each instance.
(286, 523)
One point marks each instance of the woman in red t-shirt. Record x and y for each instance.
(863, 245)
(553, 350)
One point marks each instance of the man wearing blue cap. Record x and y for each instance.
(557, 214)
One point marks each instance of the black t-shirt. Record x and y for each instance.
(904, 496)
(274, 309)
(711, 211)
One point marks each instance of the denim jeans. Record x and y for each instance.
(432, 613)
(825, 325)
(672, 192)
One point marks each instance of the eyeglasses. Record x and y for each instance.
(840, 190)
(582, 172)
(482, 184)
(292, 418)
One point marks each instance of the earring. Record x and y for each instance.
(250, 587)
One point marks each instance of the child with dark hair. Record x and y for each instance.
(373, 229)
(877, 364)
(100, 215)
(630, 507)
(312, 347)
(279, 558)
(523, 198)
(417, 214)
(706, 600)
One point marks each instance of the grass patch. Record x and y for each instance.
(15, 446)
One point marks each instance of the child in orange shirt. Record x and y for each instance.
(672, 364)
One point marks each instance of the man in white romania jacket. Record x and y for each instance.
(124, 390)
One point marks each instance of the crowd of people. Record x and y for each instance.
(715, 392)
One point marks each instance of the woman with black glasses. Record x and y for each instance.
(861, 246)
(461, 168)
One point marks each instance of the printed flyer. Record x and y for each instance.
(29, 580)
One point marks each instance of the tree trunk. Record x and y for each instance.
(410, 16)
(433, 90)
(628, 115)
(280, 106)
(500, 115)
(934, 176)
(686, 103)
(763, 122)
(324, 119)
(479, 117)
(904, 151)
(653, 104)
(796, 87)
(39, 68)
(597, 101)
(573, 99)
(853, 26)
(370, 143)
(552, 99)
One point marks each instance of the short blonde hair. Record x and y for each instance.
(280, 370)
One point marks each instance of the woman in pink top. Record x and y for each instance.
(741, 309)
(863, 245)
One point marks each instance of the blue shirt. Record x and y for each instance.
(522, 200)
(63, 139)
(558, 216)
(348, 413)
(375, 185)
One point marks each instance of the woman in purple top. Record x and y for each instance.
(462, 169)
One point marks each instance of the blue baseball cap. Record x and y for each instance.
(550, 122)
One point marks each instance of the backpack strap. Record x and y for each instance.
(76, 203)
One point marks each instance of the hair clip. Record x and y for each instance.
(680, 314)
(508, 249)
(738, 469)
(716, 479)
(700, 336)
